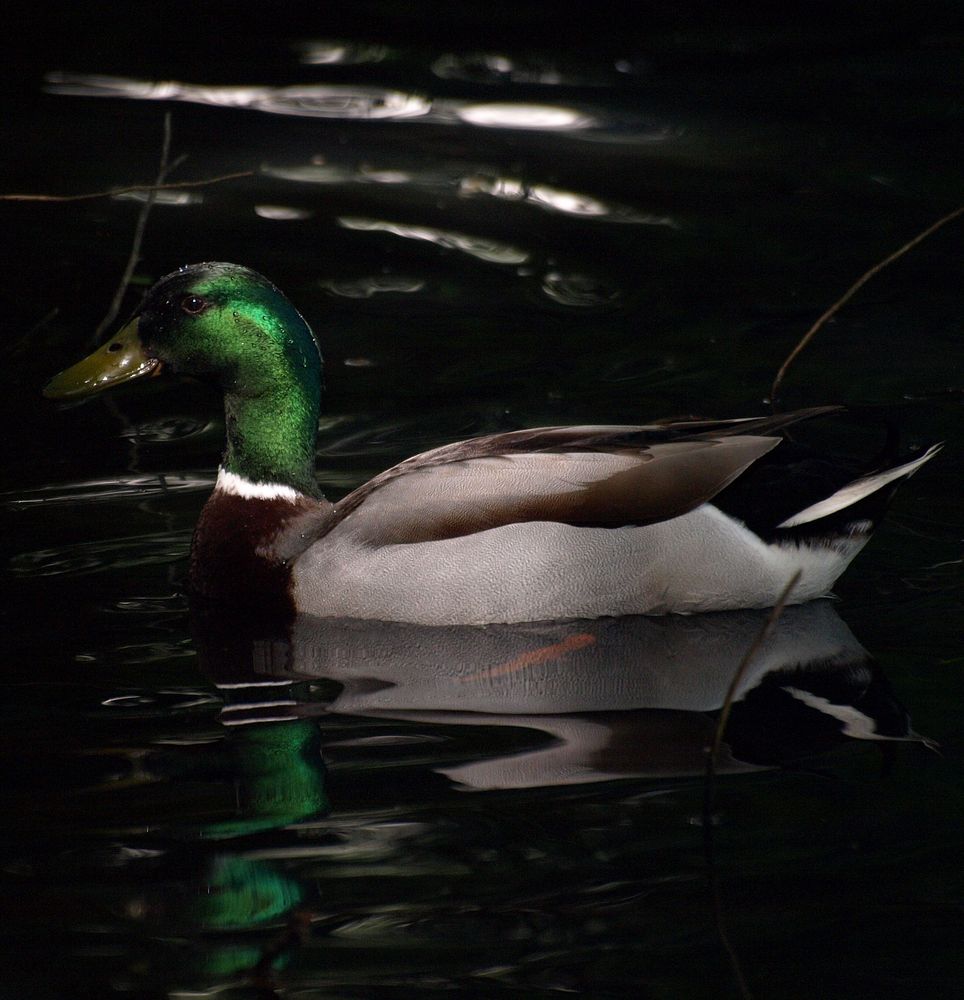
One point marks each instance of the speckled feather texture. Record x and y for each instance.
(531, 536)
(700, 561)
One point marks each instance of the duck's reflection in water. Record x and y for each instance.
(612, 698)
(561, 704)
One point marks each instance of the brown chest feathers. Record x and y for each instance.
(241, 551)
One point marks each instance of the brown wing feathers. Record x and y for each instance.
(490, 482)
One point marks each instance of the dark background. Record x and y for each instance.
(740, 170)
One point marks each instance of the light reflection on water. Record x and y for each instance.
(361, 103)
(341, 53)
(491, 251)
(466, 182)
(330, 172)
(117, 487)
(282, 213)
(308, 100)
(380, 284)
(513, 115)
(552, 199)
(581, 290)
(527, 68)
(177, 198)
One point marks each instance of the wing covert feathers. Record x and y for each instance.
(482, 484)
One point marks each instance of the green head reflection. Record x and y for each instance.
(244, 893)
(280, 774)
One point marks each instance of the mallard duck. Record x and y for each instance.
(529, 525)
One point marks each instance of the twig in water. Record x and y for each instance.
(111, 192)
(754, 648)
(850, 293)
(711, 760)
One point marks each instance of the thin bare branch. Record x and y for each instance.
(133, 257)
(712, 757)
(111, 192)
(850, 293)
(753, 649)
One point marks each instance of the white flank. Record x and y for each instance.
(238, 486)
(544, 571)
(857, 490)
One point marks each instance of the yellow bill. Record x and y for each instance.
(121, 359)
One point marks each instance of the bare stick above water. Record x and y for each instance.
(850, 293)
(111, 192)
(164, 168)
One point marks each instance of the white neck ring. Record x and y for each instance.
(237, 486)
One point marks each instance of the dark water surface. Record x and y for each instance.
(493, 218)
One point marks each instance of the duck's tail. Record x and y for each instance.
(845, 502)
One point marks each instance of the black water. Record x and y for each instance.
(493, 218)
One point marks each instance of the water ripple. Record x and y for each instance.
(329, 52)
(282, 213)
(579, 289)
(160, 702)
(157, 548)
(173, 428)
(520, 115)
(308, 100)
(97, 490)
(365, 288)
(481, 247)
(360, 103)
(500, 69)
(467, 180)
(161, 197)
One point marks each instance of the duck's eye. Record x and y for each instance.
(193, 304)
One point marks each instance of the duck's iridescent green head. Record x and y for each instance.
(217, 321)
(227, 324)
